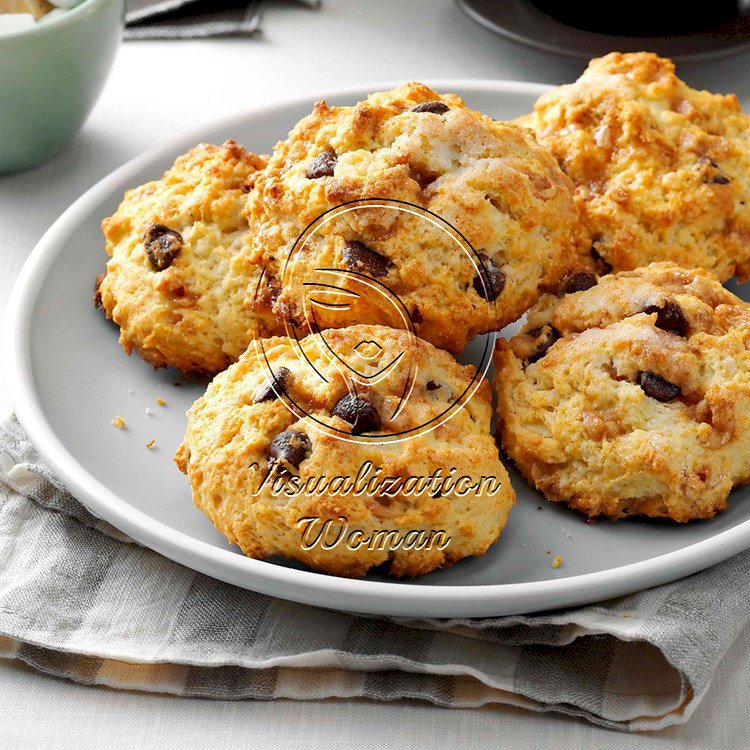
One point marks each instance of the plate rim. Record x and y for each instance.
(306, 587)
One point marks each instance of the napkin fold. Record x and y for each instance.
(193, 19)
(78, 599)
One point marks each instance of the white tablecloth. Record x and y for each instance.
(160, 88)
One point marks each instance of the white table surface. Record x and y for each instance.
(160, 88)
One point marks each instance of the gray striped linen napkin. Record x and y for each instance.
(80, 600)
(193, 19)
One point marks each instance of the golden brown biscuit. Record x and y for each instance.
(662, 171)
(632, 397)
(177, 283)
(336, 417)
(490, 181)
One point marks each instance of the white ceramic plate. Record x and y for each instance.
(69, 377)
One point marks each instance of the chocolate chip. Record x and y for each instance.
(547, 336)
(578, 282)
(359, 257)
(289, 449)
(656, 387)
(490, 281)
(436, 108)
(322, 165)
(358, 412)
(717, 179)
(602, 266)
(97, 291)
(432, 385)
(163, 245)
(274, 387)
(416, 315)
(670, 318)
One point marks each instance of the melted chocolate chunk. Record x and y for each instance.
(163, 245)
(416, 315)
(432, 385)
(322, 165)
(359, 257)
(547, 336)
(656, 387)
(274, 387)
(602, 267)
(358, 412)
(578, 282)
(490, 281)
(289, 449)
(670, 318)
(436, 108)
(720, 179)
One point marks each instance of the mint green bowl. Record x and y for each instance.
(50, 77)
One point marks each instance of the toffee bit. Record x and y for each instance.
(150, 443)
(557, 562)
(118, 422)
(161, 401)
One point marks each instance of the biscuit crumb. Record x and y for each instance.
(149, 411)
(150, 443)
(557, 562)
(161, 401)
(118, 422)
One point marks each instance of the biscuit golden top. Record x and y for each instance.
(488, 180)
(662, 171)
(633, 396)
(333, 405)
(179, 284)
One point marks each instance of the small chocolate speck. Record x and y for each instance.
(656, 387)
(490, 281)
(669, 317)
(547, 337)
(358, 412)
(578, 282)
(289, 449)
(163, 245)
(358, 257)
(323, 165)
(274, 386)
(435, 108)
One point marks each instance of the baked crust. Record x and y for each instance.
(489, 180)
(233, 430)
(638, 403)
(195, 309)
(662, 171)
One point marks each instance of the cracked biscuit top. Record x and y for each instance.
(487, 184)
(631, 397)
(179, 283)
(326, 407)
(662, 171)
